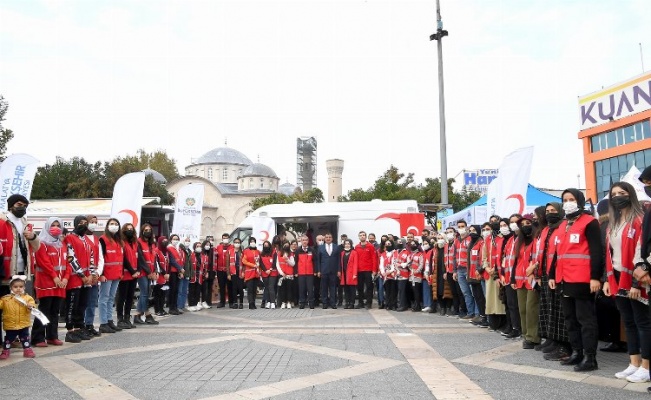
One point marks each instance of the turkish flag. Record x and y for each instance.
(412, 223)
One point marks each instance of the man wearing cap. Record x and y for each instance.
(17, 240)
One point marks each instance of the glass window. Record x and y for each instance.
(647, 157)
(210, 174)
(225, 175)
(595, 143)
(629, 134)
(620, 137)
(630, 161)
(611, 139)
(639, 160)
(250, 183)
(614, 165)
(261, 183)
(646, 129)
(597, 168)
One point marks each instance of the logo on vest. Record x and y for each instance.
(574, 238)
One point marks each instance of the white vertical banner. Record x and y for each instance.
(17, 174)
(633, 177)
(491, 197)
(187, 212)
(264, 228)
(126, 205)
(512, 183)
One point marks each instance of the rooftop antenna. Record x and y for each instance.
(641, 57)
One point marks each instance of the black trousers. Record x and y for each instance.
(194, 294)
(22, 334)
(124, 298)
(173, 292)
(4, 290)
(456, 293)
(270, 288)
(159, 298)
(478, 295)
(637, 322)
(391, 288)
(318, 289)
(306, 290)
(328, 288)
(581, 323)
(76, 302)
(365, 287)
(286, 291)
(251, 290)
(225, 286)
(402, 293)
(417, 294)
(206, 290)
(50, 307)
(512, 308)
(608, 319)
(236, 290)
(349, 291)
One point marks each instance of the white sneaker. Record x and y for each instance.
(289, 305)
(639, 376)
(284, 305)
(273, 306)
(205, 305)
(427, 309)
(630, 370)
(267, 306)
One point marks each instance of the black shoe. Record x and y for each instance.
(339, 303)
(442, 311)
(401, 309)
(82, 334)
(514, 334)
(72, 337)
(311, 306)
(552, 347)
(240, 307)
(90, 329)
(358, 306)
(541, 346)
(252, 306)
(221, 305)
(232, 305)
(123, 324)
(105, 328)
(575, 358)
(381, 306)
(325, 306)
(149, 319)
(301, 306)
(589, 363)
(561, 353)
(484, 323)
(175, 312)
(614, 347)
(334, 307)
(138, 320)
(128, 321)
(113, 326)
(529, 345)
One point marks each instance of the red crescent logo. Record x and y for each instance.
(265, 235)
(393, 216)
(519, 198)
(134, 217)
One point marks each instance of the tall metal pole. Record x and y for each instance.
(438, 36)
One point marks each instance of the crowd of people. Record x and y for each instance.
(538, 277)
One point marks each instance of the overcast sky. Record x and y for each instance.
(100, 79)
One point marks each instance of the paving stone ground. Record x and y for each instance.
(305, 354)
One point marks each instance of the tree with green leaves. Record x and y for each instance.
(5, 134)
(314, 195)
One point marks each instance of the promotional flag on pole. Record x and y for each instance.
(187, 212)
(17, 174)
(264, 229)
(633, 177)
(127, 199)
(491, 197)
(510, 191)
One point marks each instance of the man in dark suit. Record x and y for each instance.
(327, 268)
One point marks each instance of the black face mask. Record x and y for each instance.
(400, 246)
(473, 235)
(286, 248)
(414, 248)
(620, 202)
(553, 218)
(389, 248)
(81, 230)
(146, 234)
(536, 224)
(526, 230)
(266, 248)
(647, 190)
(129, 234)
(19, 212)
(495, 226)
(164, 243)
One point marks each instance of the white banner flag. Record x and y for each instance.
(187, 212)
(491, 197)
(127, 199)
(633, 177)
(264, 228)
(17, 174)
(510, 192)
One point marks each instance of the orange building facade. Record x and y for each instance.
(616, 133)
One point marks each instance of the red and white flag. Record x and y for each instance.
(17, 174)
(127, 199)
(507, 194)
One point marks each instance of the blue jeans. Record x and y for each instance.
(143, 300)
(93, 298)
(380, 290)
(184, 284)
(107, 292)
(462, 278)
(427, 294)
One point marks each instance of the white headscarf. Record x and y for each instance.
(45, 236)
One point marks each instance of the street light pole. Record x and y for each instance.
(438, 36)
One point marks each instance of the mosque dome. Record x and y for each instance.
(258, 169)
(224, 155)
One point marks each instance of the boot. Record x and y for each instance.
(241, 306)
(575, 358)
(381, 306)
(113, 326)
(443, 311)
(589, 363)
(149, 319)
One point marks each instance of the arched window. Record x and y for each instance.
(225, 175)
(210, 174)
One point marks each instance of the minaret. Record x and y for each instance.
(335, 169)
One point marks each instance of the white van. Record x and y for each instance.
(376, 216)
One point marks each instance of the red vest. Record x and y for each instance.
(224, 257)
(550, 249)
(366, 258)
(283, 265)
(148, 254)
(82, 249)
(417, 266)
(113, 259)
(448, 257)
(266, 265)
(178, 256)
(509, 259)
(252, 258)
(387, 261)
(573, 252)
(50, 264)
(163, 266)
(349, 273)
(476, 253)
(131, 255)
(525, 256)
(305, 262)
(404, 257)
(199, 265)
(462, 252)
(630, 239)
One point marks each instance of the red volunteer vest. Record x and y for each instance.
(251, 257)
(351, 269)
(573, 252)
(131, 255)
(82, 249)
(305, 262)
(630, 238)
(50, 264)
(524, 258)
(113, 260)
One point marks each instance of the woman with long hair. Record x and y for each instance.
(524, 282)
(632, 299)
(110, 266)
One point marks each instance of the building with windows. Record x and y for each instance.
(231, 181)
(616, 133)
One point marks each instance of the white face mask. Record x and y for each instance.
(449, 236)
(514, 227)
(237, 245)
(187, 245)
(206, 247)
(425, 246)
(92, 226)
(347, 248)
(113, 228)
(440, 242)
(225, 241)
(570, 207)
(175, 243)
(486, 234)
(462, 231)
(319, 242)
(198, 249)
(504, 230)
(252, 245)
